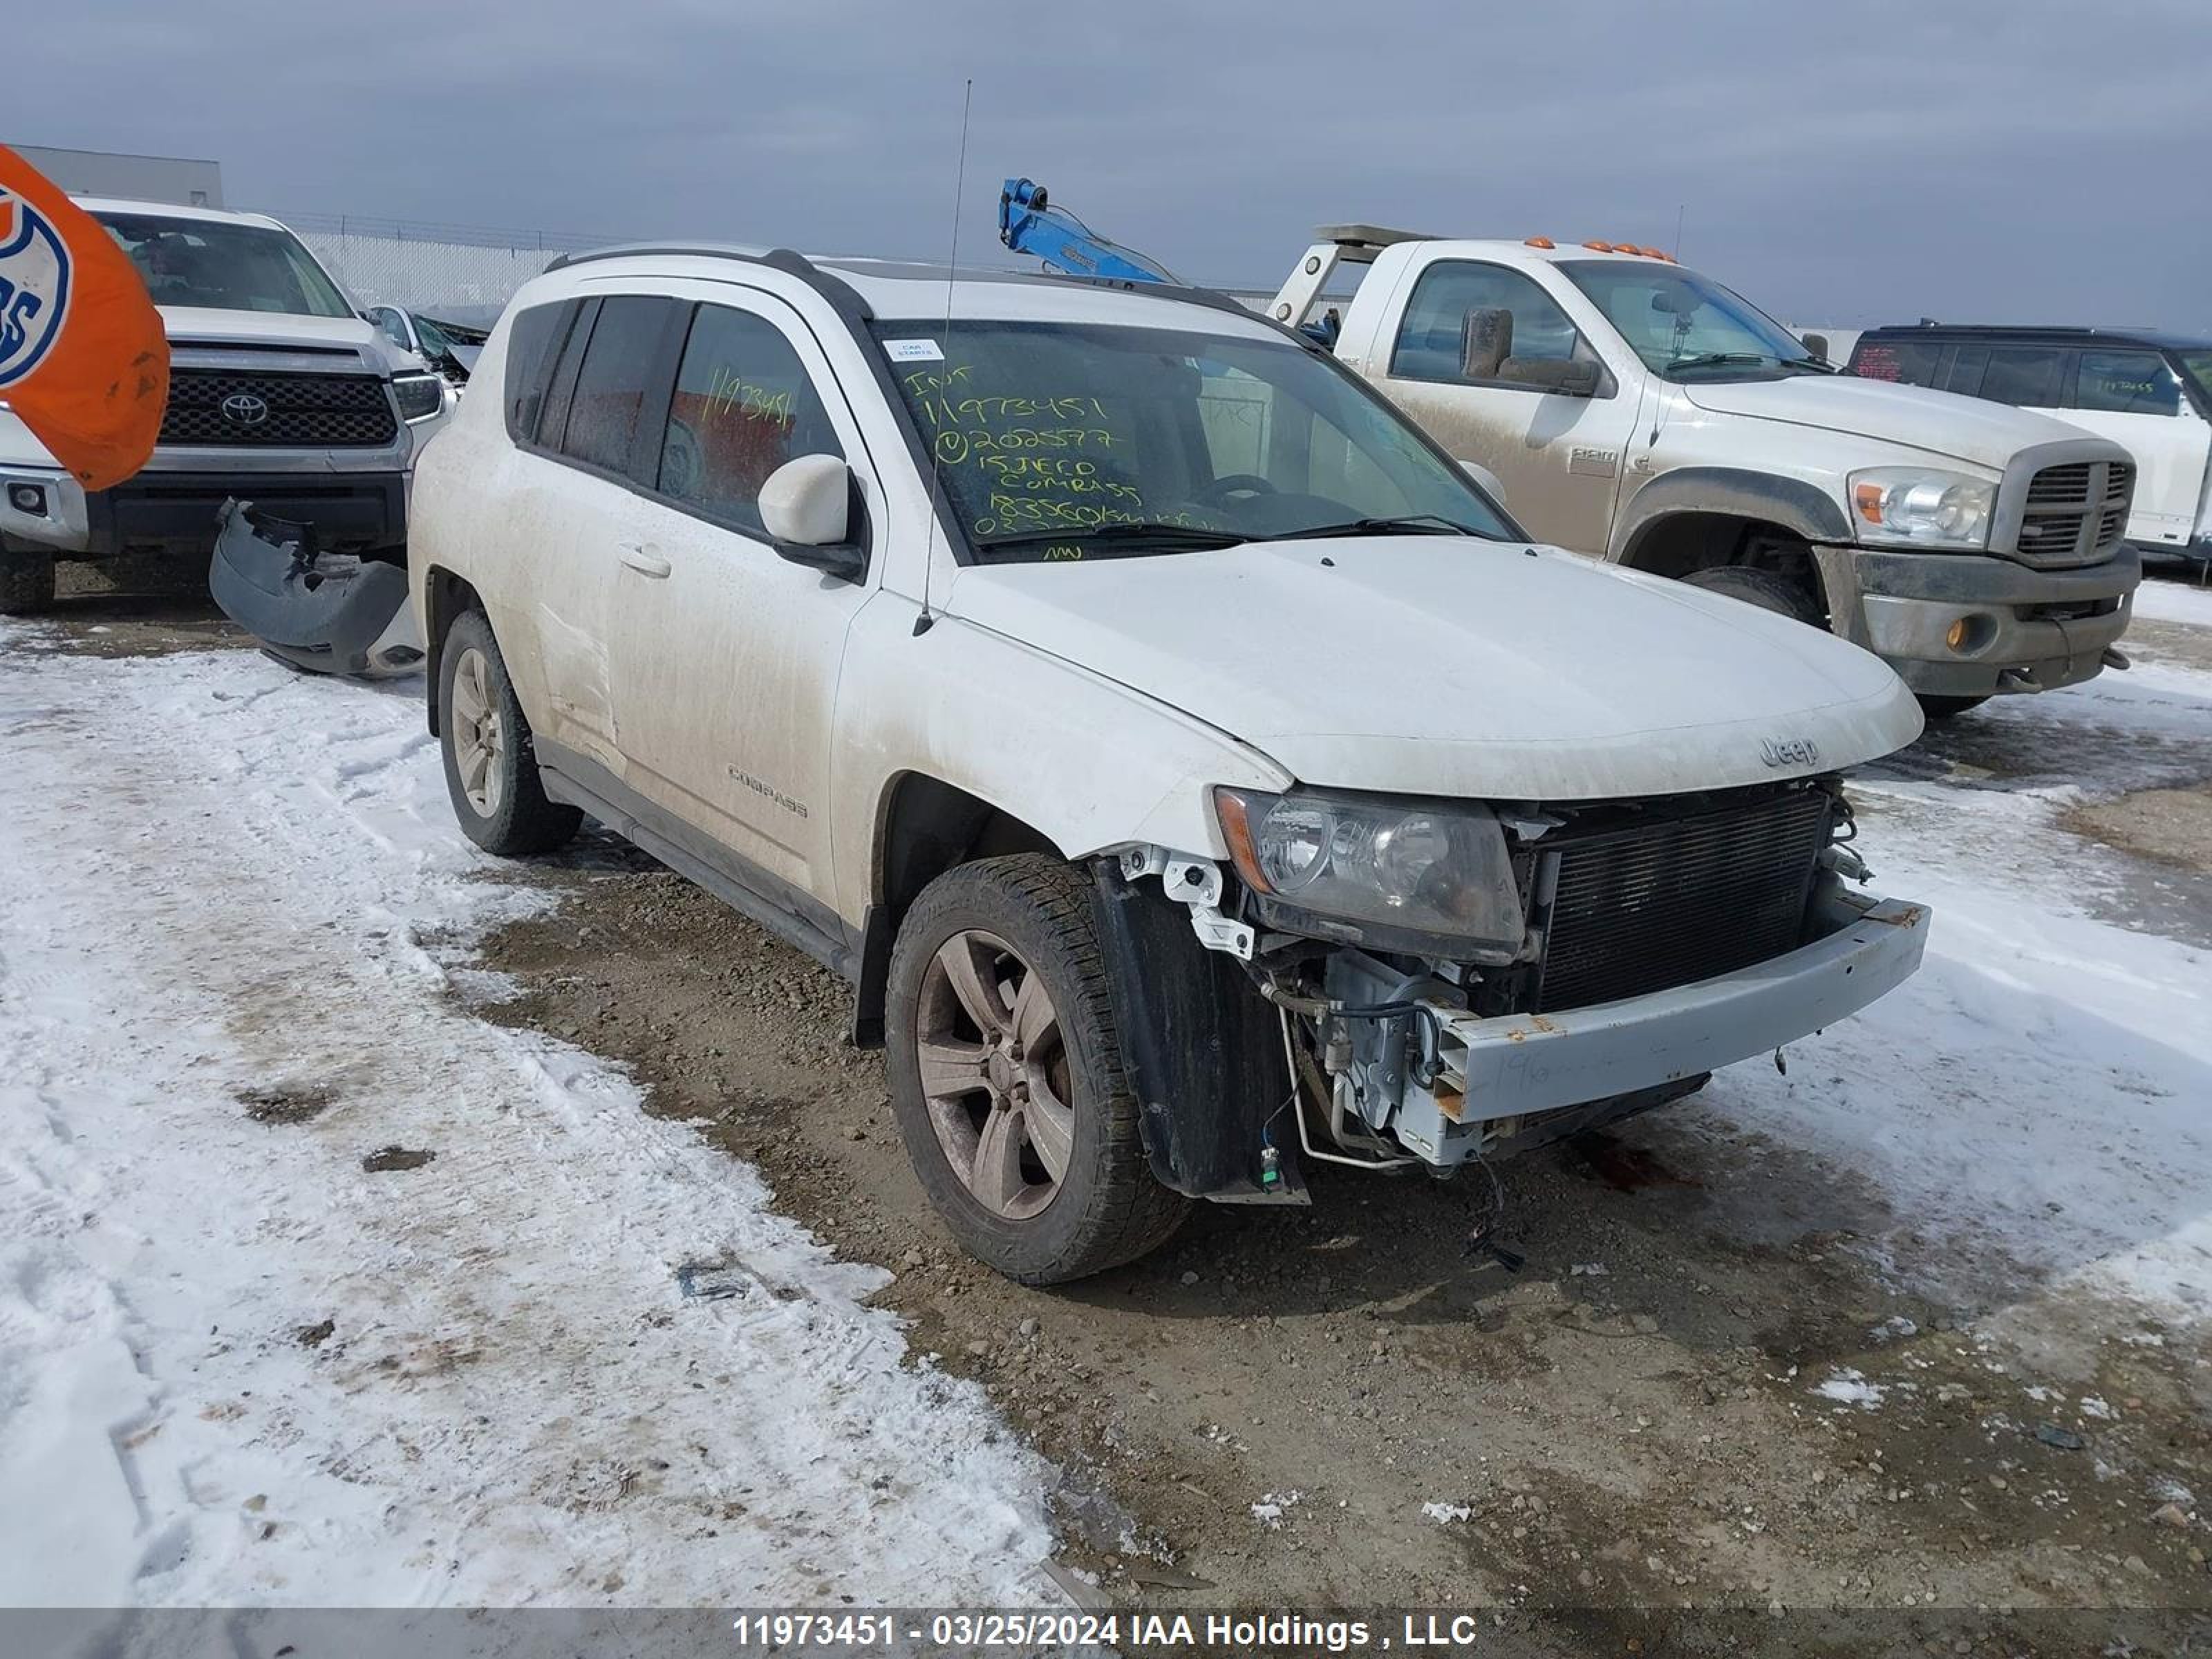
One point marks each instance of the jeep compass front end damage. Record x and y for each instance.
(1427, 982)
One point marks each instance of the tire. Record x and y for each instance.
(506, 811)
(27, 581)
(1783, 595)
(1028, 922)
(1944, 709)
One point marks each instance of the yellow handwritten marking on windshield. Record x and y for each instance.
(1024, 463)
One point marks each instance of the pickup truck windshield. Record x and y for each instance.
(1062, 441)
(212, 264)
(1687, 328)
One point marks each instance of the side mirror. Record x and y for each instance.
(805, 506)
(1818, 345)
(1565, 377)
(1487, 480)
(1485, 341)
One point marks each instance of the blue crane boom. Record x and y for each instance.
(1029, 223)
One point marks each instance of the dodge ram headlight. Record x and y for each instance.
(1915, 507)
(1392, 875)
(420, 395)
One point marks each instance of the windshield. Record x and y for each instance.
(2198, 365)
(211, 265)
(1059, 440)
(1685, 327)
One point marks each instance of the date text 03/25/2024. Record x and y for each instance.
(1020, 1631)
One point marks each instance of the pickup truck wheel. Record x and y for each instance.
(491, 769)
(1005, 1074)
(1783, 595)
(1944, 709)
(27, 581)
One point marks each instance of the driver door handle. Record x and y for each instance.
(640, 558)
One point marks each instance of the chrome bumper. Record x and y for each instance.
(62, 524)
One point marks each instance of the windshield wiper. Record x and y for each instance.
(1751, 359)
(1122, 535)
(1408, 524)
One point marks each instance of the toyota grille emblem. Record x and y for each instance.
(244, 409)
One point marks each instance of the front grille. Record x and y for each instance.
(217, 407)
(2076, 513)
(1669, 901)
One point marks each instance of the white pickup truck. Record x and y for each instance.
(1636, 411)
(1191, 768)
(279, 393)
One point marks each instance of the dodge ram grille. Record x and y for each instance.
(1678, 899)
(222, 408)
(2076, 513)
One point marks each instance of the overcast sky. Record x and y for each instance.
(2009, 160)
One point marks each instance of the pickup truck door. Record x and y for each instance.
(1558, 457)
(724, 655)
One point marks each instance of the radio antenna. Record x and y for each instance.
(925, 621)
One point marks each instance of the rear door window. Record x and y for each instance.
(1968, 364)
(2032, 376)
(623, 363)
(744, 405)
(2126, 383)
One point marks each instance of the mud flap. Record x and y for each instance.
(328, 613)
(1203, 1052)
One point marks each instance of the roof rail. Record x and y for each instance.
(637, 250)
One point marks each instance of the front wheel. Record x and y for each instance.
(1005, 1064)
(491, 763)
(1944, 709)
(1769, 590)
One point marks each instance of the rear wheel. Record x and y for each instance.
(1769, 590)
(491, 763)
(1005, 1074)
(27, 580)
(1944, 709)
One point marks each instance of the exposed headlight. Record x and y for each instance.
(1916, 506)
(420, 395)
(1388, 874)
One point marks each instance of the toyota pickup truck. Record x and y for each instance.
(279, 393)
(1638, 412)
(1194, 771)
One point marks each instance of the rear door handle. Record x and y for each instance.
(641, 558)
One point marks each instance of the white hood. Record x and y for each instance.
(1941, 422)
(1433, 666)
(192, 325)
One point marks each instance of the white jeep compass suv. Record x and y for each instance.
(1193, 769)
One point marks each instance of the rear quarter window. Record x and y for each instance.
(1909, 362)
(534, 343)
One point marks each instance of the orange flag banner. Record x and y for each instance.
(83, 359)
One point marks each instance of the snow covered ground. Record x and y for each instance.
(254, 1348)
(2040, 1094)
(239, 1363)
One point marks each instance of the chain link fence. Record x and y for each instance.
(463, 273)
